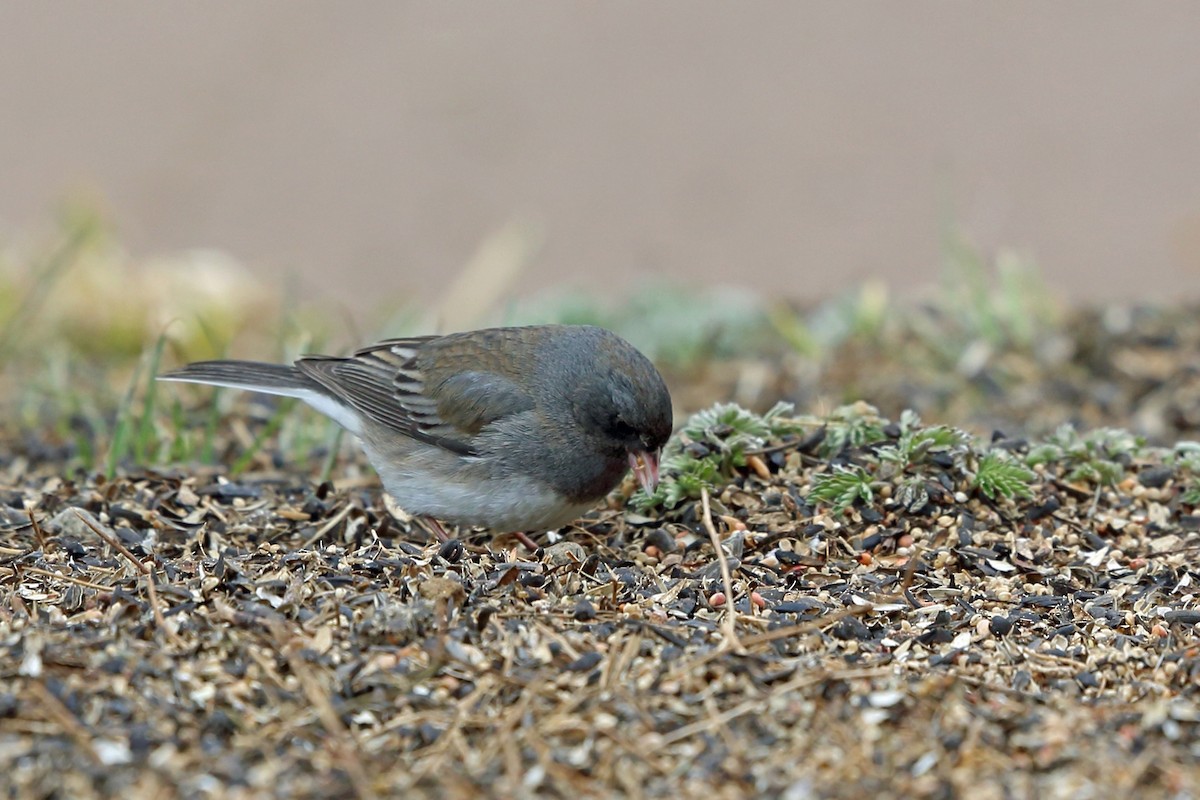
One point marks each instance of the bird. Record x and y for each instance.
(513, 429)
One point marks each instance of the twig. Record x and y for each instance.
(779, 633)
(440, 751)
(1091, 514)
(159, 620)
(806, 627)
(756, 703)
(910, 569)
(20, 570)
(37, 530)
(326, 528)
(729, 623)
(111, 541)
(343, 738)
(995, 687)
(65, 718)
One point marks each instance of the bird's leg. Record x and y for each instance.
(523, 538)
(435, 526)
(440, 532)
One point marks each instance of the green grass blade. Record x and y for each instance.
(181, 449)
(144, 439)
(208, 449)
(335, 446)
(119, 446)
(270, 429)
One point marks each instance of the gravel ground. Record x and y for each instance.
(178, 633)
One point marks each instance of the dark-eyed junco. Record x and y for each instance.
(512, 429)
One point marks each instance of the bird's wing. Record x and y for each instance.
(439, 390)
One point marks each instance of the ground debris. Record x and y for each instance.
(187, 633)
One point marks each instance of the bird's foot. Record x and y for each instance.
(523, 538)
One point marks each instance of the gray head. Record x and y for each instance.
(616, 395)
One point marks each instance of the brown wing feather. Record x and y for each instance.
(441, 390)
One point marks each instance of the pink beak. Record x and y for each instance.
(645, 467)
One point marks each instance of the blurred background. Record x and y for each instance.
(366, 154)
(968, 210)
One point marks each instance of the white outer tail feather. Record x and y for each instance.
(338, 412)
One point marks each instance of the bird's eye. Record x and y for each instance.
(622, 429)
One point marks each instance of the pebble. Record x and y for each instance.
(566, 553)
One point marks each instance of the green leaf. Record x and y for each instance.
(842, 487)
(728, 432)
(999, 474)
(852, 426)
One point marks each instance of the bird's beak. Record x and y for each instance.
(645, 466)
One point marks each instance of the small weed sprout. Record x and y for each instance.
(1099, 456)
(711, 444)
(683, 478)
(852, 426)
(732, 430)
(842, 487)
(1186, 458)
(917, 444)
(1001, 475)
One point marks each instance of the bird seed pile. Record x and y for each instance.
(903, 613)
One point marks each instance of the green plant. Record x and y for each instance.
(732, 430)
(916, 444)
(283, 409)
(841, 487)
(129, 427)
(852, 426)
(1094, 457)
(1000, 475)
(1185, 457)
(710, 445)
(1002, 303)
(81, 229)
(677, 326)
(859, 314)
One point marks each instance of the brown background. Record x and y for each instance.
(369, 147)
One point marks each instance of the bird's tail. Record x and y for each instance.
(280, 379)
(255, 376)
